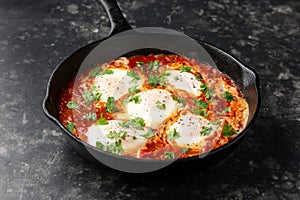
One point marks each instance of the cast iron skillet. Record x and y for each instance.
(244, 77)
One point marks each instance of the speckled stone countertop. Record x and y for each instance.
(36, 162)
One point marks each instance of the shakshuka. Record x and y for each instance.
(153, 107)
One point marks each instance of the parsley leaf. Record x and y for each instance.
(185, 68)
(91, 95)
(160, 105)
(153, 80)
(110, 104)
(202, 104)
(139, 63)
(94, 72)
(90, 116)
(116, 135)
(70, 127)
(134, 75)
(226, 95)
(207, 91)
(115, 147)
(137, 123)
(72, 104)
(227, 130)
(198, 77)
(169, 155)
(205, 131)
(107, 71)
(173, 134)
(179, 100)
(149, 134)
(200, 112)
(227, 110)
(185, 150)
(133, 89)
(216, 122)
(136, 99)
(101, 121)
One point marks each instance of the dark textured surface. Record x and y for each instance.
(37, 163)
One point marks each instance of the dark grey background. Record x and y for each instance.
(37, 163)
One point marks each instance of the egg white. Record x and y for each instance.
(99, 133)
(189, 127)
(148, 108)
(115, 85)
(184, 81)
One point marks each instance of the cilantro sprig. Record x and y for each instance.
(173, 134)
(228, 131)
(137, 123)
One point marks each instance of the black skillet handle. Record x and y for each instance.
(116, 18)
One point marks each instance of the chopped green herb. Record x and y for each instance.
(153, 80)
(101, 121)
(173, 134)
(90, 116)
(227, 130)
(149, 134)
(198, 77)
(169, 155)
(100, 145)
(160, 105)
(110, 104)
(227, 109)
(163, 78)
(226, 95)
(115, 147)
(155, 65)
(185, 68)
(176, 78)
(179, 100)
(139, 63)
(211, 101)
(136, 99)
(70, 127)
(107, 71)
(137, 123)
(91, 95)
(205, 131)
(134, 75)
(72, 104)
(94, 72)
(116, 135)
(216, 122)
(202, 104)
(207, 91)
(200, 112)
(133, 89)
(133, 137)
(185, 150)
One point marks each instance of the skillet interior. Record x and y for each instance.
(245, 79)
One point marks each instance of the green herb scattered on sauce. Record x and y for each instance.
(169, 155)
(179, 100)
(226, 95)
(133, 89)
(149, 134)
(227, 130)
(116, 135)
(94, 72)
(134, 75)
(101, 121)
(205, 131)
(173, 134)
(160, 105)
(198, 77)
(202, 104)
(110, 104)
(207, 91)
(139, 64)
(70, 127)
(91, 95)
(200, 112)
(137, 123)
(115, 147)
(107, 71)
(153, 65)
(72, 105)
(185, 68)
(186, 150)
(227, 110)
(90, 116)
